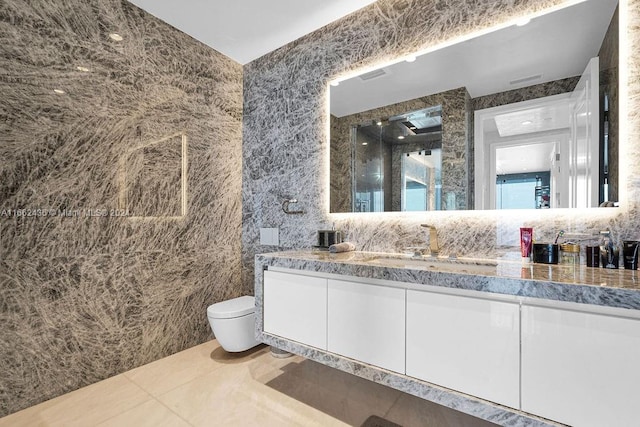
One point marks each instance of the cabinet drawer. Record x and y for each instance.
(580, 368)
(366, 323)
(295, 307)
(464, 343)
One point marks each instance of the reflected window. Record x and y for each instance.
(523, 191)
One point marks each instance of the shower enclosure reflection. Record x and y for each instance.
(397, 163)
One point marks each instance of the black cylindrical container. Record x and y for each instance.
(630, 254)
(545, 253)
(327, 238)
(593, 256)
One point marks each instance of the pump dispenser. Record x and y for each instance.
(609, 253)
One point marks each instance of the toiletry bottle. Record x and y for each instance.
(630, 254)
(526, 242)
(609, 253)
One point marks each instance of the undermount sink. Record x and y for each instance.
(461, 265)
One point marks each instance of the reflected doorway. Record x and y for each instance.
(422, 180)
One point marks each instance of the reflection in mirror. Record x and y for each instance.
(451, 109)
(422, 180)
(544, 58)
(398, 162)
(557, 136)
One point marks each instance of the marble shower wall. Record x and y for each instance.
(456, 111)
(286, 120)
(120, 202)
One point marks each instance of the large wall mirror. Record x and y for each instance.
(524, 117)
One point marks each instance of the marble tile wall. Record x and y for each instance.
(85, 291)
(340, 160)
(285, 141)
(525, 94)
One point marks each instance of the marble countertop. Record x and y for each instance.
(581, 284)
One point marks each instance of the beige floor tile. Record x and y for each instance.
(237, 396)
(170, 372)
(25, 418)
(149, 414)
(206, 398)
(411, 411)
(84, 407)
(301, 404)
(339, 382)
(329, 407)
(206, 386)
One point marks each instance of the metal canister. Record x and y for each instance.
(570, 254)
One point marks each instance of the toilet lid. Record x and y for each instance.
(235, 307)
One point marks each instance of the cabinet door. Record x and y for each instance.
(468, 344)
(295, 307)
(580, 368)
(366, 323)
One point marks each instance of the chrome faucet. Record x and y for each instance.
(433, 239)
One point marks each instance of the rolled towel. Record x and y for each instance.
(342, 247)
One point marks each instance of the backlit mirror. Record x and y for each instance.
(524, 117)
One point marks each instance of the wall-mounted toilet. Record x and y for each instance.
(233, 323)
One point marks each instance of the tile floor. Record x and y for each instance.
(205, 386)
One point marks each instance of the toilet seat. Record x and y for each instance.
(236, 307)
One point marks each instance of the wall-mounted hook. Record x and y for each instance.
(285, 207)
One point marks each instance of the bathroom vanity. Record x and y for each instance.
(511, 344)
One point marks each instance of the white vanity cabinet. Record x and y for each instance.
(366, 322)
(570, 363)
(581, 367)
(465, 343)
(295, 307)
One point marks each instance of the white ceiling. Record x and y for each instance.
(524, 158)
(536, 119)
(247, 29)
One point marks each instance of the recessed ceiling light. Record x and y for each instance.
(59, 91)
(410, 59)
(379, 123)
(115, 36)
(401, 137)
(527, 122)
(365, 143)
(334, 83)
(523, 21)
(81, 68)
